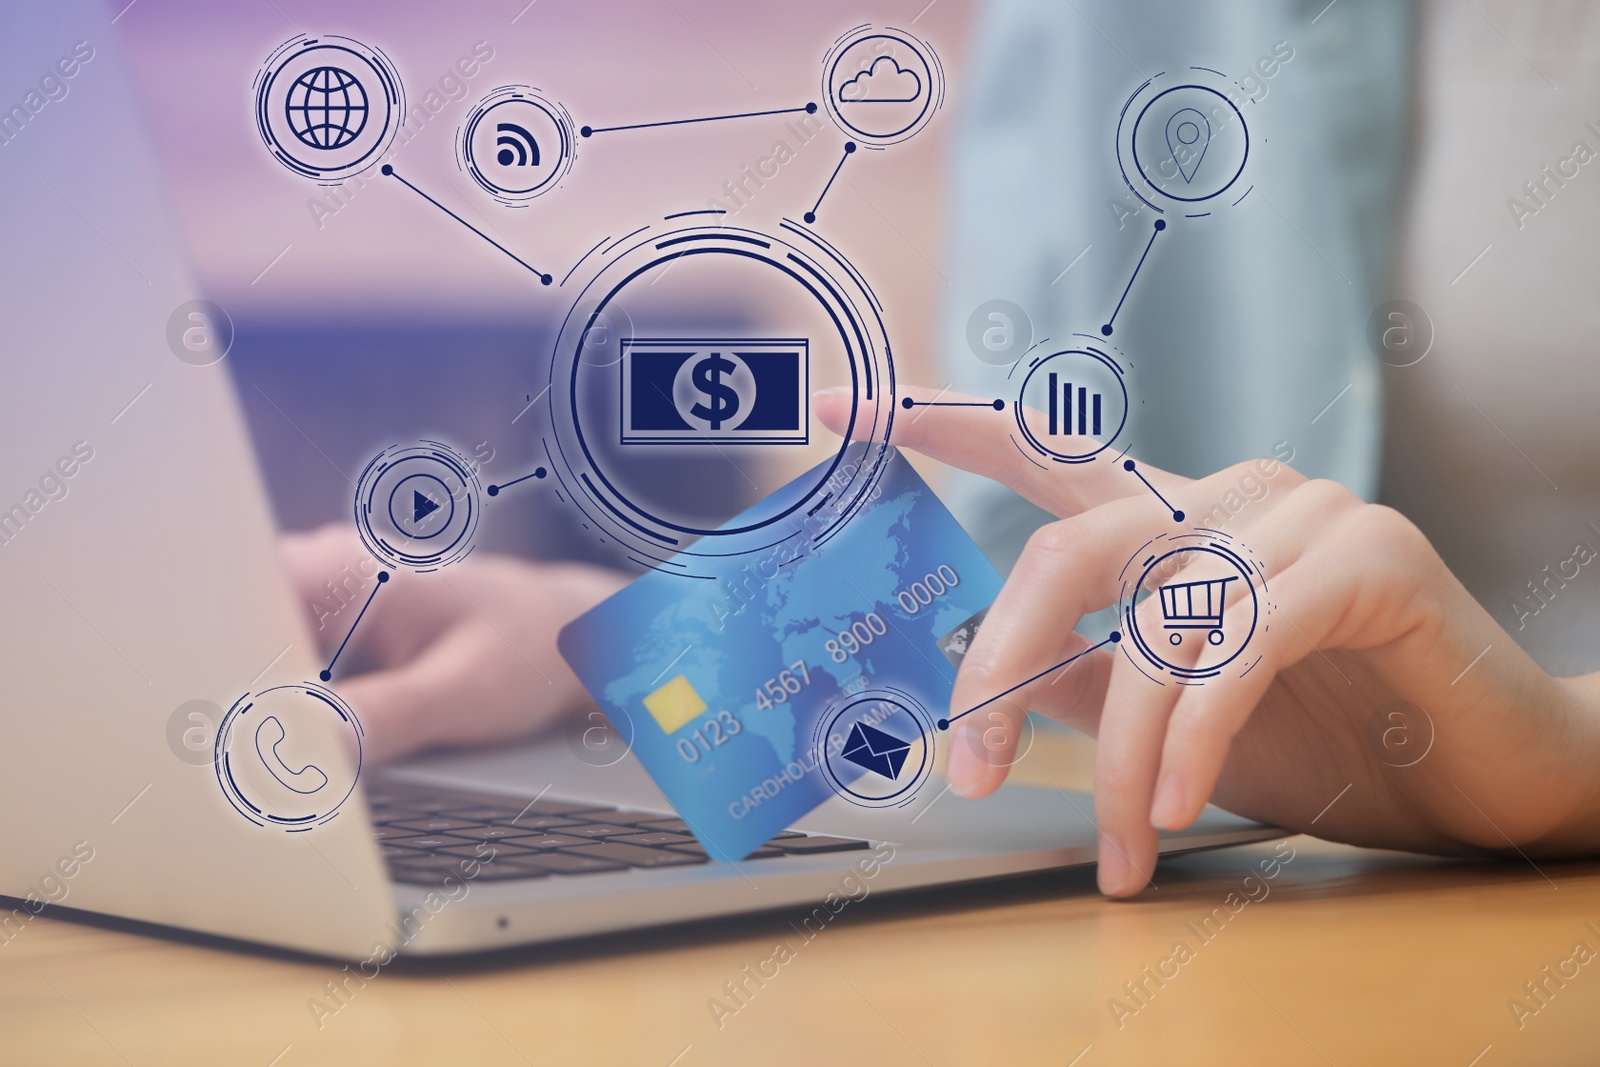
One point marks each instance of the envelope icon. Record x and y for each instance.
(875, 750)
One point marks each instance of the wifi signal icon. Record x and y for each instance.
(517, 146)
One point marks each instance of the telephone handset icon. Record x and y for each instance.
(269, 735)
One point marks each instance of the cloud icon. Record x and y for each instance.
(885, 82)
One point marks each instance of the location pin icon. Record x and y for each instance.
(1188, 134)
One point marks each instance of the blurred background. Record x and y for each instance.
(1391, 150)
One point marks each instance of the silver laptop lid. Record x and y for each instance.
(137, 570)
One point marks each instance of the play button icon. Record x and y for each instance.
(421, 506)
(418, 506)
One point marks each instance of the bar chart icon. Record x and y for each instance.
(1063, 401)
(1072, 405)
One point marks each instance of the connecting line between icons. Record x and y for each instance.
(590, 131)
(849, 149)
(494, 490)
(544, 279)
(908, 404)
(327, 675)
(1105, 330)
(1133, 468)
(944, 724)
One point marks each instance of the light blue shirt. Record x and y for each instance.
(1246, 332)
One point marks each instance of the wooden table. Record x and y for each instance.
(1346, 957)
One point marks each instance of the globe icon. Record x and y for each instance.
(326, 108)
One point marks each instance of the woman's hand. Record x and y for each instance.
(1364, 613)
(462, 657)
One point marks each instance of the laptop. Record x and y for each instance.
(138, 574)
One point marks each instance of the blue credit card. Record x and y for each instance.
(810, 670)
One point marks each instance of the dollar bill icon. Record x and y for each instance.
(715, 391)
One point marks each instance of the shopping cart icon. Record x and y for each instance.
(1195, 606)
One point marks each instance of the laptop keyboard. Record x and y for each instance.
(427, 834)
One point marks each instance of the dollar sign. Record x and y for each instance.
(707, 377)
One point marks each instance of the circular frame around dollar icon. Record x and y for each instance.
(586, 394)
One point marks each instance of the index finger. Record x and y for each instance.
(973, 434)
